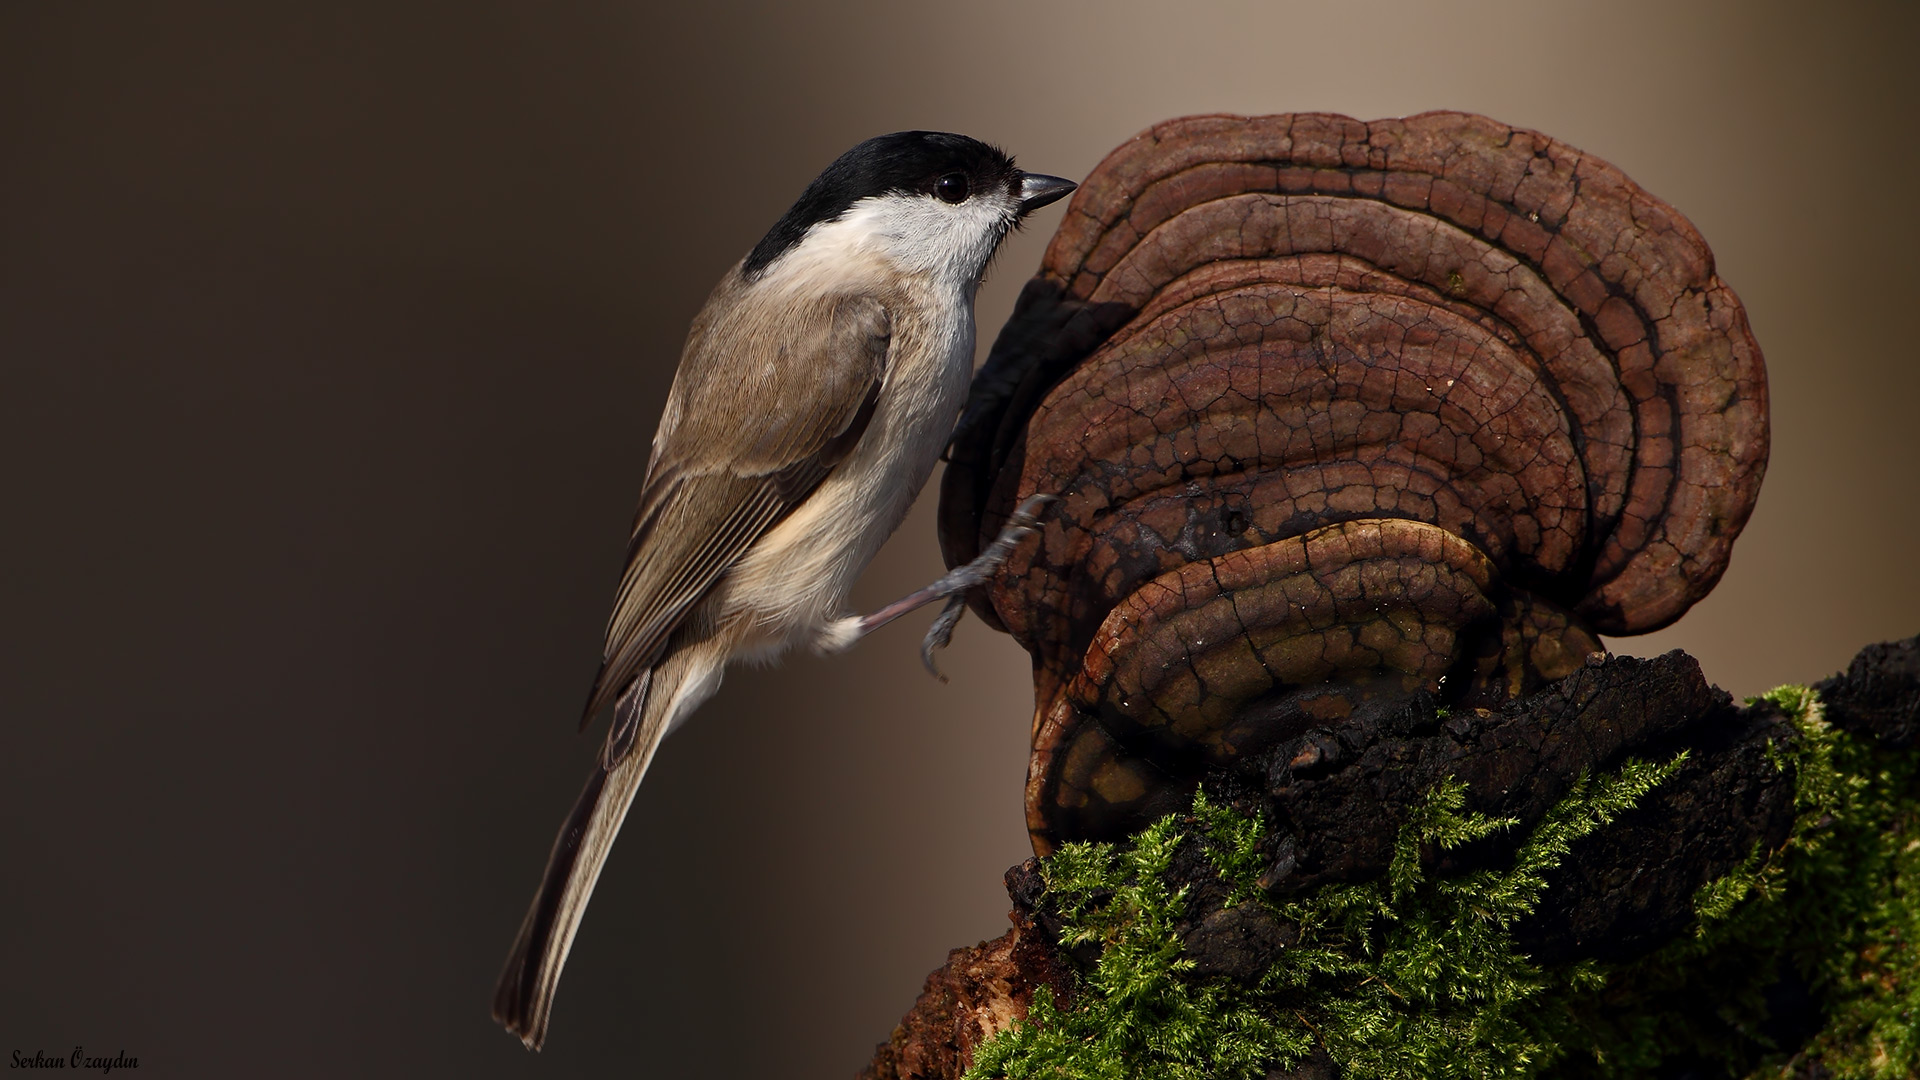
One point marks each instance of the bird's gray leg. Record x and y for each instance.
(954, 585)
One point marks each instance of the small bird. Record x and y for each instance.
(817, 388)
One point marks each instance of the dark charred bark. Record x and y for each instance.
(1878, 694)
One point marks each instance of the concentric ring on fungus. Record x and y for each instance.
(1489, 363)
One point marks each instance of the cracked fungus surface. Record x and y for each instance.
(1337, 412)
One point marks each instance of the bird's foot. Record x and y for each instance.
(953, 587)
(1023, 523)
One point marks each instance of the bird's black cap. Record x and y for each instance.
(906, 162)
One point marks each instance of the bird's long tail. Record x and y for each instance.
(523, 999)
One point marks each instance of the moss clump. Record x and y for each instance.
(1413, 975)
(1137, 1015)
(1851, 885)
(1829, 917)
(1407, 976)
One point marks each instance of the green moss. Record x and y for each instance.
(1832, 910)
(1138, 1015)
(1412, 975)
(1404, 976)
(1847, 912)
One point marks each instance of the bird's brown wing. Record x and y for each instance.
(747, 435)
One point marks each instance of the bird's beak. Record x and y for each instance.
(1037, 191)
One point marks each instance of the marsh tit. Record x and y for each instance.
(817, 388)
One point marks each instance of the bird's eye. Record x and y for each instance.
(951, 188)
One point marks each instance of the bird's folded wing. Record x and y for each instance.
(745, 439)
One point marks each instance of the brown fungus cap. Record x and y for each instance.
(1250, 330)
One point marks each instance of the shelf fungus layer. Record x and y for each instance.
(1339, 413)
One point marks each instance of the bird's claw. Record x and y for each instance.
(1027, 514)
(1022, 523)
(941, 632)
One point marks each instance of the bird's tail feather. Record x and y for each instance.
(523, 999)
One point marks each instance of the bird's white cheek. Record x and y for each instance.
(921, 235)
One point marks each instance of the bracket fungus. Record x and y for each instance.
(1339, 414)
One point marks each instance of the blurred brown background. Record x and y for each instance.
(330, 346)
